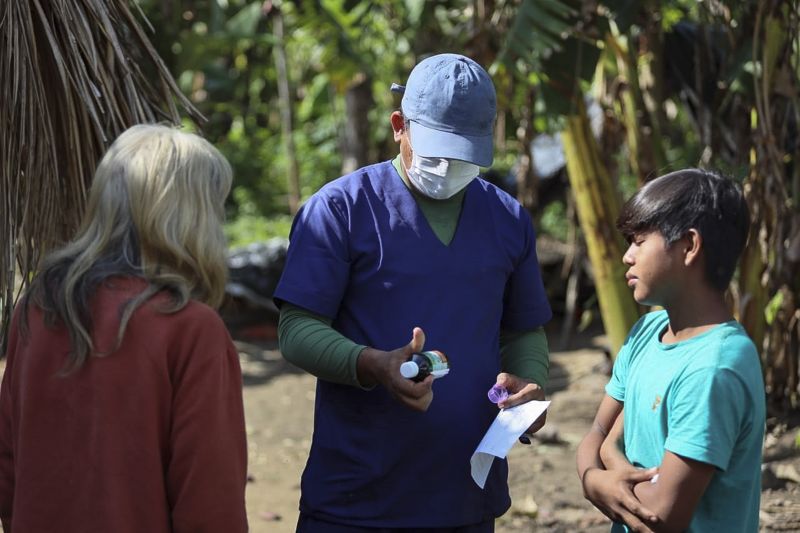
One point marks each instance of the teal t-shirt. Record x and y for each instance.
(703, 399)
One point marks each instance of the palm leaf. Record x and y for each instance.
(554, 37)
(75, 74)
(538, 29)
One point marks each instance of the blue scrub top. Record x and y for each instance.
(362, 253)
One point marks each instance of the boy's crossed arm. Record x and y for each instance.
(611, 490)
(612, 451)
(625, 493)
(674, 497)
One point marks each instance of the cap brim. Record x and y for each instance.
(427, 142)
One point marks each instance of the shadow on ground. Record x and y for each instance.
(262, 361)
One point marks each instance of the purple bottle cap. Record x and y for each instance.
(497, 393)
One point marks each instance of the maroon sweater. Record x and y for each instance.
(149, 438)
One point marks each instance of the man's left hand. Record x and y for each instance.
(521, 390)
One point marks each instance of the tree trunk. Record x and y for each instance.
(287, 130)
(597, 205)
(645, 151)
(526, 178)
(357, 101)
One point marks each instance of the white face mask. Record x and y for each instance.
(440, 178)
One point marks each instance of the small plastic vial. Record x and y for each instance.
(497, 393)
(423, 364)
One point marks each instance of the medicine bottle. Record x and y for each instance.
(422, 364)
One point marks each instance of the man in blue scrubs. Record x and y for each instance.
(405, 255)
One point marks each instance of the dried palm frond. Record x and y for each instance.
(73, 75)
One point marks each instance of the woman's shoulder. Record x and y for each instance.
(194, 315)
(192, 334)
(159, 311)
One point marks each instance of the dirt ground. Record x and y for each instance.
(546, 494)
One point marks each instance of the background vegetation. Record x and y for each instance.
(295, 93)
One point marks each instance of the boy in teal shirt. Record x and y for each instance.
(688, 376)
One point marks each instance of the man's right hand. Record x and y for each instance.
(383, 368)
(611, 491)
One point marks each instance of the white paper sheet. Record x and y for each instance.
(507, 427)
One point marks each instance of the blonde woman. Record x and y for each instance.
(121, 403)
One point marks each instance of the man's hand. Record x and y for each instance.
(611, 491)
(383, 368)
(520, 391)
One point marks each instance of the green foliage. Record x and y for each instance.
(547, 53)
(627, 183)
(569, 72)
(551, 42)
(538, 30)
(622, 12)
(249, 226)
(773, 307)
(222, 54)
(553, 220)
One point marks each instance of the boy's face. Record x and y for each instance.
(656, 272)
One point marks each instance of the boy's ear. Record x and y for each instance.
(692, 246)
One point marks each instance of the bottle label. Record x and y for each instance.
(438, 361)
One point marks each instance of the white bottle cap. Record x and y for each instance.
(409, 369)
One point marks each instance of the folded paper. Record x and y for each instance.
(507, 427)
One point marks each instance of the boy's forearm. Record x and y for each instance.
(677, 491)
(588, 454)
(646, 490)
(612, 457)
(670, 518)
(612, 450)
(648, 493)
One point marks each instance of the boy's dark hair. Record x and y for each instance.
(693, 198)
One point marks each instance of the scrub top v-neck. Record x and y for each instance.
(363, 254)
(442, 215)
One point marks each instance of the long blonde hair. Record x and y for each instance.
(155, 211)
